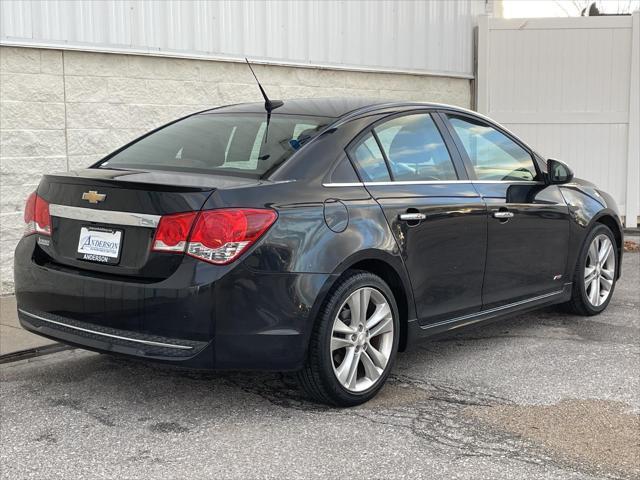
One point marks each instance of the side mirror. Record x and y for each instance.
(558, 172)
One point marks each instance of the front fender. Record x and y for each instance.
(589, 205)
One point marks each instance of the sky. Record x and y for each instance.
(563, 8)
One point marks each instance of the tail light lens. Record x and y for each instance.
(220, 236)
(36, 216)
(215, 236)
(173, 231)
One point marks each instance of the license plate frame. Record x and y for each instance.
(100, 244)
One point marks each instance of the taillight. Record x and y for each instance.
(36, 216)
(218, 236)
(172, 232)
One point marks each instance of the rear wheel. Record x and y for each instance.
(354, 342)
(596, 271)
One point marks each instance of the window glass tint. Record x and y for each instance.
(237, 144)
(370, 161)
(415, 149)
(494, 155)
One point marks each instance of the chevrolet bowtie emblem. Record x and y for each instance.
(93, 197)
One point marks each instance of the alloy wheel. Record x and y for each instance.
(362, 339)
(599, 270)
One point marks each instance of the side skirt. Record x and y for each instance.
(417, 332)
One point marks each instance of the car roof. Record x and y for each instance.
(333, 107)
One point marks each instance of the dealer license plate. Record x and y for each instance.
(99, 244)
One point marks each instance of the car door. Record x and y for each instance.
(528, 220)
(437, 217)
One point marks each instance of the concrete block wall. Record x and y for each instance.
(62, 110)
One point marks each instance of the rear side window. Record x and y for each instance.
(415, 149)
(370, 161)
(235, 144)
(494, 156)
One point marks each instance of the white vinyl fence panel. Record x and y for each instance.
(569, 87)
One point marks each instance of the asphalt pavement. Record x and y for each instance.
(544, 395)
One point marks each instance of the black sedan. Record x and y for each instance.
(322, 236)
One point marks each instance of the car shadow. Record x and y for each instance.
(125, 380)
(148, 385)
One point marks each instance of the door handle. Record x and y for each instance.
(412, 217)
(503, 215)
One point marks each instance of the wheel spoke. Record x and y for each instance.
(593, 253)
(340, 327)
(371, 371)
(376, 356)
(384, 326)
(594, 297)
(382, 311)
(352, 376)
(589, 274)
(337, 343)
(355, 305)
(608, 274)
(605, 283)
(343, 370)
(605, 250)
(365, 297)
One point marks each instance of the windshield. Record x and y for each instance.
(234, 144)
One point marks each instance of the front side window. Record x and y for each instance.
(415, 149)
(235, 144)
(494, 156)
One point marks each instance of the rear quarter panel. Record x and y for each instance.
(289, 272)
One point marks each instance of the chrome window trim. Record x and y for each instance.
(418, 182)
(105, 216)
(391, 183)
(431, 182)
(343, 184)
(519, 182)
(118, 337)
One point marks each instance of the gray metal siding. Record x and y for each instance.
(408, 36)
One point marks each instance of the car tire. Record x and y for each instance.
(345, 341)
(583, 293)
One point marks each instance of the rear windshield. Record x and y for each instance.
(234, 144)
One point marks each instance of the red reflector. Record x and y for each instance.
(220, 236)
(172, 232)
(36, 216)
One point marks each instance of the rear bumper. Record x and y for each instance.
(109, 339)
(202, 316)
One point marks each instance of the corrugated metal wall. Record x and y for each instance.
(411, 36)
(568, 86)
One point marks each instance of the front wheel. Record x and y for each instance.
(596, 273)
(354, 342)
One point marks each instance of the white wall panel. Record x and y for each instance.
(566, 85)
(393, 35)
(596, 151)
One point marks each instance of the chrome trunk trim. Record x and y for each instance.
(105, 216)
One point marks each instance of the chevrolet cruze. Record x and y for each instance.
(319, 236)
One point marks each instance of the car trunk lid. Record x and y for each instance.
(104, 220)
